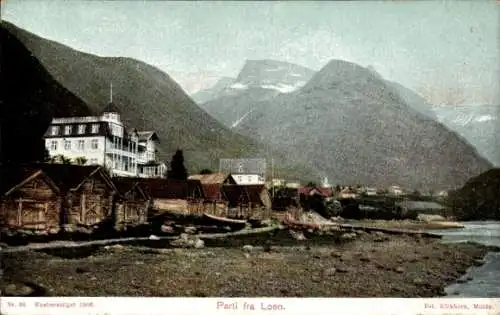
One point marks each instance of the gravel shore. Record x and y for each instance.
(370, 266)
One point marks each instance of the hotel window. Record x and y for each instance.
(54, 130)
(81, 129)
(53, 145)
(67, 130)
(81, 145)
(67, 145)
(94, 144)
(95, 128)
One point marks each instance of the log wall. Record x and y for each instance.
(90, 204)
(171, 205)
(131, 212)
(34, 206)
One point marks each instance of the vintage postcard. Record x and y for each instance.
(240, 157)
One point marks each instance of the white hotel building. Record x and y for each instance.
(103, 140)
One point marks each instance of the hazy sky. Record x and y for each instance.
(444, 50)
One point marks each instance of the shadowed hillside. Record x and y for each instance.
(30, 98)
(479, 198)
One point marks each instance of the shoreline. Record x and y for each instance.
(371, 265)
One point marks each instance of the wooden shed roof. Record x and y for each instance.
(64, 176)
(14, 177)
(170, 188)
(214, 178)
(124, 185)
(248, 193)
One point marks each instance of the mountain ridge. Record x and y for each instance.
(355, 128)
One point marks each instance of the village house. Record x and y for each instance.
(248, 179)
(323, 192)
(285, 198)
(104, 140)
(29, 200)
(294, 184)
(395, 190)
(348, 193)
(276, 182)
(131, 204)
(211, 184)
(247, 201)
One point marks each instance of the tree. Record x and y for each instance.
(60, 159)
(177, 169)
(311, 184)
(206, 171)
(80, 160)
(46, 156)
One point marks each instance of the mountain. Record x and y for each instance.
(410, 97)
(479, 124)
(276, 75)
(30, 98)
(478, 198)
(223, 85)
(258, 80)
(67, 81)
(349, 125)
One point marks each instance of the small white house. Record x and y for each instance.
(395, 190)
(248, 179)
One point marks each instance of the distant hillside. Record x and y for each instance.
(147, 98)
(349, 125)
(479, 198)
(258, 80)
(207, 94)
(479, 124)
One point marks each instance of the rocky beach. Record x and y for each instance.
(367, 265)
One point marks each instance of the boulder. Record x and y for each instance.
(248, 248)
(399, 269)
(348, 236)
(198, 243)
(13, 289)
(187, 241)
(190, 230)
(299, 236)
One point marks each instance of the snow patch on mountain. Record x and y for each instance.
(485, 118)
(239, 86)
(237, 122)
(285, 88)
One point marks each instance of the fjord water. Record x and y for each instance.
(486, 278)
